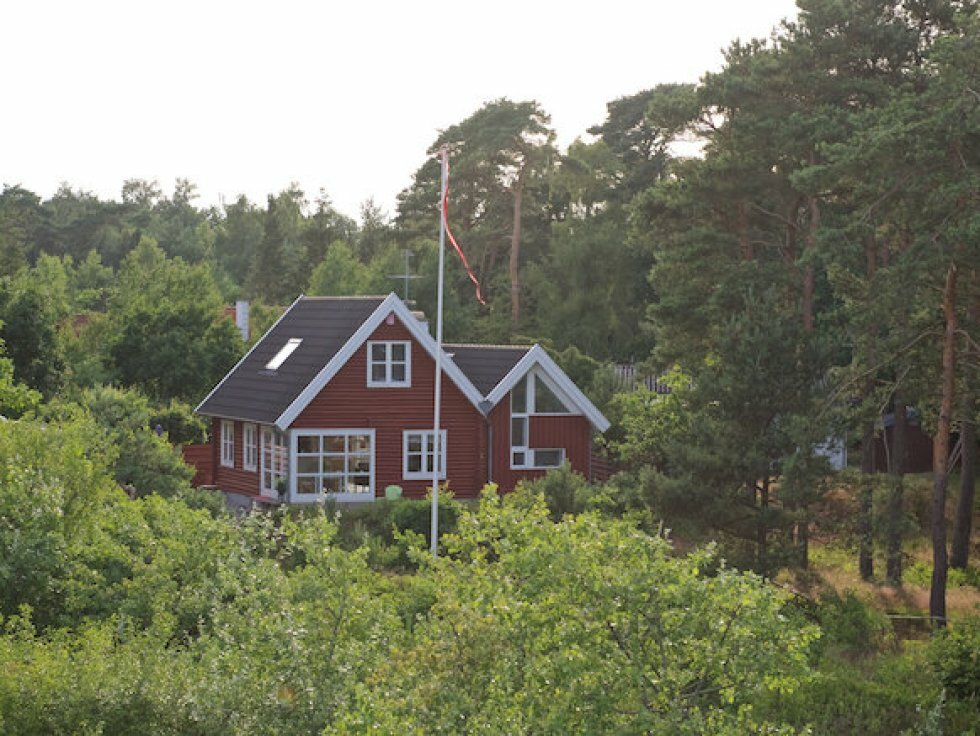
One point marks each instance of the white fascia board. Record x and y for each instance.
(391, 304)
(537, 356)
(257, 343)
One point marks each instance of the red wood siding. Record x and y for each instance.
(232, 479)
(346, 402)
(201, 458)
(570, 432)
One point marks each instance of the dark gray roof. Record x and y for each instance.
(485, 365)
(324, 323)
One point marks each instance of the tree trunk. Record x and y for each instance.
(959, 554)
(744, 239)
(808, 282)
(803, 540)
(896, 492)
(763, 530)
(515, 253)
(940, 453)
(866, 499)
(868, 464)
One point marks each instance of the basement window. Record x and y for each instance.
(288, 349)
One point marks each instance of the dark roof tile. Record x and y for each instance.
(486, 365)
(324, 323)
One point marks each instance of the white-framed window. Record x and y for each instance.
(334, 463)
(418, 451)
(227, 443)
(533, 395)
(389, 363)
(250, 446)
(275, 461)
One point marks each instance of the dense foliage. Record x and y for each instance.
(809, 275)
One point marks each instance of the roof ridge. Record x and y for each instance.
(484, 345)
(347, 298)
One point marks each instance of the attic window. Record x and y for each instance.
(288, 349)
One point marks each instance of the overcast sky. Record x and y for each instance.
(245, 97)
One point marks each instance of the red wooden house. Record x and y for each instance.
(335, 401)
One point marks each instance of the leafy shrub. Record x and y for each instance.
(955, 654)
(564, 491)
(853, 625)
(920, 573)
(180, 423)
(884, 696)
(380, 527)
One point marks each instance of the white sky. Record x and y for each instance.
(246, 97)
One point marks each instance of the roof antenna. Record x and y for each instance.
(407, 277)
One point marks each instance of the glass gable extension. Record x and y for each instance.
(532, 396)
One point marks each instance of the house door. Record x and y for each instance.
(275, 462)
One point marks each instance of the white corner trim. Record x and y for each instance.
(249, 352)
(391, 304)
(538, 356)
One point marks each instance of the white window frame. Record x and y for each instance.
(227, 443)
(345, 497)
(530, 453)
(388, 382)
(250, 446)
(427, 436)
(274, 460)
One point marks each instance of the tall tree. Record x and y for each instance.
(275, 274)
(167, 335)
(499, 158)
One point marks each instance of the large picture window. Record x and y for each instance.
(275, 461)
(419, 452)
(227, 443)
(335, 463)
(389, 364)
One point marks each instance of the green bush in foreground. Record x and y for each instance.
(582, 626)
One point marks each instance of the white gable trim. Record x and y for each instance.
(257, 343)
(537, 356)
(391, 305)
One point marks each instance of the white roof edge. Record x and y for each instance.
(538, 356)
(390, 304)
(247, 353)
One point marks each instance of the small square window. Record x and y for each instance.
(389, 364)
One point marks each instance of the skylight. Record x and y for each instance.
(284, 353)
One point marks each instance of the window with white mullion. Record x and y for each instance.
(389, 363)
(335, 463)
(419, 454)
(530, 396)
(227, 443)
(250, 446)
(275, 461)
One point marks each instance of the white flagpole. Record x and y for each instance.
(436, 437)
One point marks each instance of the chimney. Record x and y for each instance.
(241, 318)
(420, 316)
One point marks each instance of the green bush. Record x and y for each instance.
(852, 625)
(884, 696)
(564, 490)
(955, 654)
(380, 527)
